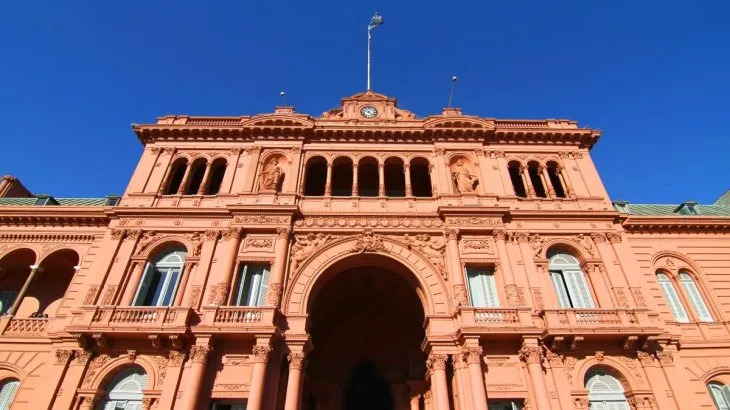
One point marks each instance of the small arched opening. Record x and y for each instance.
(533, 171)
(553, 173)
(215, 179)
(46, 293)
(421, 178)
(315, 176)
(605, 391)
(515, 175)
(342, 177)
(195, 178)
(395, 180)
(367, 177)
(8, 388)
(177, 173)
(125, 390)
(14, 270)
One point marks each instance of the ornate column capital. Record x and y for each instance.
(200, 354)
(63, 356)
(283, 232)
(666, 359)
(231, 233)
(499, 234)
(645, 358)
(472, 354)
(451, 233)
(531, 354)
(176, 358)
(211, 235)
(598, 237)
(459, 361)
(261, 353)
(614, 237)
(520, 237)
(296, 360)
(436, 362)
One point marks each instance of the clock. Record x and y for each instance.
(368, 111)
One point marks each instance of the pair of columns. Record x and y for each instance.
(381, 180)
(545, 179)
(34, 269)
(470, 380)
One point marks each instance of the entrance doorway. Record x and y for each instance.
(366, 326)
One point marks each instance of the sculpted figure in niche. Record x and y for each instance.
(271, 177)
(464, 180)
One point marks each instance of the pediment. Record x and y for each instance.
(279, 120)
(463, 122)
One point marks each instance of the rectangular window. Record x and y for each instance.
(158, 286)
(228, 405)
(680, 315)
(690, 288)
(505, 404)
(482, 287)
(7, 297)
(251, 284)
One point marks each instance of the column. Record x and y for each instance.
(199, 358)
(614, 274)
(328, 184)
(294, 384)
(407, 173)
(19, 299)
(133, 283)
(256, 392)
(546, 182)
(436, 363)
(233, 240)
(185, 180)
(415, 401)
(455, 270)
(474, 363)
(355, 188)
(563, 180)
(428, 400)
(676, 381)
(532, 354)
(273, 295)
(206, 179)
(381, 179)
(524, 172)
(510, 287)
(463, 384)
(187, 272)
(434, 183)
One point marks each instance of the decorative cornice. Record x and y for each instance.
(677, 224)
(46, 237)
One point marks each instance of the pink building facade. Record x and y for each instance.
(365, 258)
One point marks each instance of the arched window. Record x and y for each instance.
(342, 177)
(215, 179)
(161, 277)
(7, 392)
(533, 171)
(315, 176)
(605, 392)
(516, 177)
(720, 395)
(670, 294)
(195, 179)
(569, 281)
(125, 391)
(177, 173)
(367, 177)
(420, 178)
(695, 298)
(552, 170)
(395, 178)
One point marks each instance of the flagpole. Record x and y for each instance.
(369, 40)
(374, 22)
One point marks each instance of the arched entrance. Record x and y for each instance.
(366, 328)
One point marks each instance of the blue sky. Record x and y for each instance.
(653, 75)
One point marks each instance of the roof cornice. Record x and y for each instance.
(677, 224)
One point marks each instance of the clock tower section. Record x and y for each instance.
(369, 106)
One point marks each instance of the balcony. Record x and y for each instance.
(601, 323)
(237, 320)
(23, 327)
(496, 321)
(131, 319)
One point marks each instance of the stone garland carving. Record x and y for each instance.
(261, 353)
(478, 244)
(63, 356)
(460, 297)
(296, 360)
(200, 354)
(436, 362)
(464, 181)
(271, 176)
(473, 221)
(218, 294)
(273, 294)
(432, 248)
(259, 243)
(261, 219)
(531, 354)
(305, 246)
(368, 242)
(368, 222)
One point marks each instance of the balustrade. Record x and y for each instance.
(26, 327)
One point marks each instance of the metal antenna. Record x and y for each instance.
(454, 79)
(283, 98)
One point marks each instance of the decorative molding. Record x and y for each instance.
(296, 360)
(306, 245)
(219, 294)
(273, 294)
(261, 353)
(531, 354)
(356, 222)
(261, 219)
(436, 362)
(48, 237)
(472, 354)
(368, 242)
(200, 354)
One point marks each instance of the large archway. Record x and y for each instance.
(366, 326)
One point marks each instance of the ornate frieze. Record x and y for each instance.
(369, 222)
(219, 293)
(305, 245)
(63, 356)
(261, 219)
(473, 221)
(368, 242)
(273, 294)
(49, 237)
(460, 296)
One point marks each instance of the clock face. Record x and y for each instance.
(368, 112)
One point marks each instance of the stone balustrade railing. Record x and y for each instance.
(26, 327)
(599, 320)
(121, 318)
(236, 318)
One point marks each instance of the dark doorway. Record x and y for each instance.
(367, 389)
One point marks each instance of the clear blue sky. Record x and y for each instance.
(653, 75)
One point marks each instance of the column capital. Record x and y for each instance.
(283, 232)
(499, 234)
(200, 354)
(296, 360)
(232, 233)
(436, 362)
(261, 353)
(451, 233)
(531, 354)
(472, 354)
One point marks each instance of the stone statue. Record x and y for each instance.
(432, 248)
(270, 178)
(464, 181)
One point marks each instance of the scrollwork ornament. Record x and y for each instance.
(614, 237)
(645, 358)
(231, 233)
(499, 234)
(175, 358)
(665, 358)
(273, 294)
(118, 234)
(598, 237)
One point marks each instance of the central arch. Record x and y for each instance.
(366, 326)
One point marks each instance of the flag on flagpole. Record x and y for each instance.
(375, 21)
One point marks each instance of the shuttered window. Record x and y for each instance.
(570, 282)
(670, 294)
(7, 393)
(160, 280)
(605, 392)
(251, 285)
(720, 395)
(482, 287)
(125, 391)
(694, 296)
